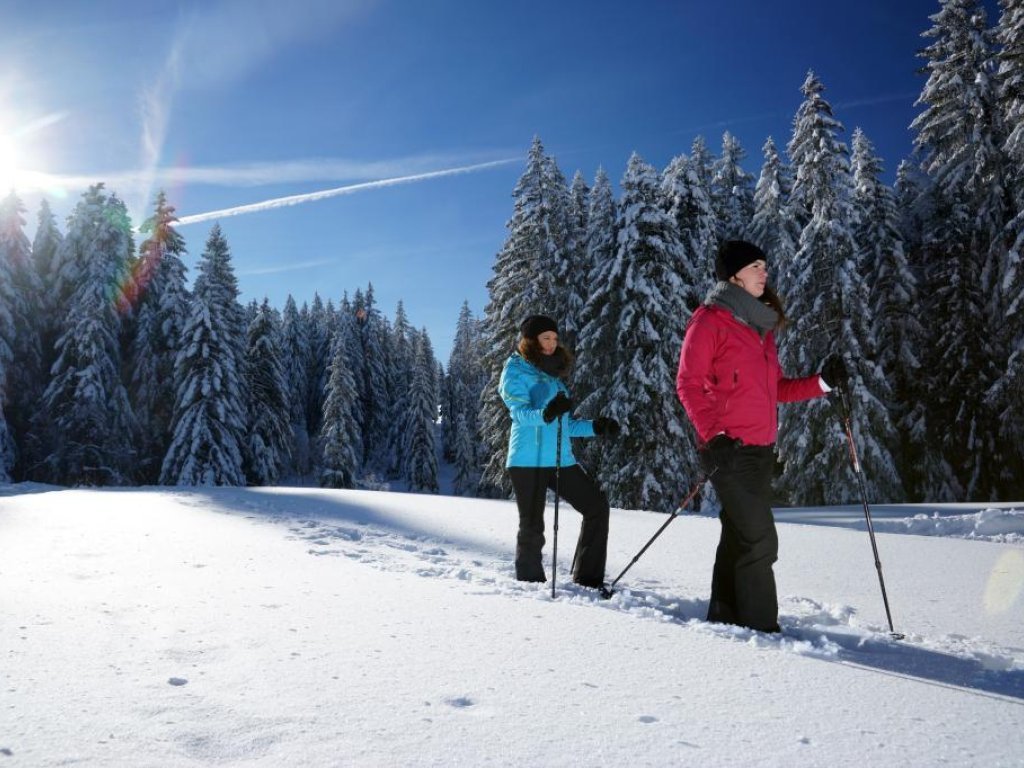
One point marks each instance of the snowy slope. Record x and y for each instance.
(299, 627)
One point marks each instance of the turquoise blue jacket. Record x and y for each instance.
(531, 442)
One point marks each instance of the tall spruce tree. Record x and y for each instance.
(773, 228)
(894, 326)
(420, 450)
(400, 373)
(1006, 396)
(642, 468)
(295, 352)
(21, 292)
(957, 139)
(465, 381)
(688, 201)
(339, 434)
(209, 423)
(86, 402)
(268, 436)
(829, 306)
(376, 397)
(161, 310)
(732, 190)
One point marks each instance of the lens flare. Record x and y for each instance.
(1005, 583)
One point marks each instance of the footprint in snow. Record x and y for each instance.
(177, 681)
(460, 702)
(647, 719)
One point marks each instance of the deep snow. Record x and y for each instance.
(301, 627)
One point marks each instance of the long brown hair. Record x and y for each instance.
(772, 299)
(530, 349)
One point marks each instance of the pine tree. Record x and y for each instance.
(642, 467)
(318, 326)
(162, 308)
(894, 328)
(420, 451)
(773, 228)
(573, 268)
(268, 437)
(86, 402)
(828, 304)
(209, 421)
(340, 445)
(376, 398)
(400, 373)
(957, 139)
(591, 376)
(688, 201)
(522, 285)
(295, 353)
(14, 249)
(465, 383)
(346, 334)
(1006, 396)
(732, 190)
(25, 375)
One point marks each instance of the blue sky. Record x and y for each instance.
(228, 104)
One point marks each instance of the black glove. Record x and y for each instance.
(558, 405)
(605, 426)
(833, 371)
(718, 453)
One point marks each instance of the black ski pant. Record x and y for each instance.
(743, 583)
(576, 487)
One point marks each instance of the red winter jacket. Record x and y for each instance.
(730, 381)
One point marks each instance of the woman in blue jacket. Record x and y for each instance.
(531, 386)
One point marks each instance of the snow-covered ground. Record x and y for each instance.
(300, 627)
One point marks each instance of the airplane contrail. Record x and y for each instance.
(281, 202)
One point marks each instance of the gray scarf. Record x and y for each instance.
(744, 307)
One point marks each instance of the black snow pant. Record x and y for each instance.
(743, 584)
(577, 488)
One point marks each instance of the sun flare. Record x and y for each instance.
(10, 163)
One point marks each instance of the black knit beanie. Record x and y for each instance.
(734, 255)
(535, 325)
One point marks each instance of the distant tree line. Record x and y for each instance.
(117, 373)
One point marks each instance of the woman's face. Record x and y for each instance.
(752, 278)
(548, 342)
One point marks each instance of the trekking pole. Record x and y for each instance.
(682, 505)
(554, 548)
(845, 414)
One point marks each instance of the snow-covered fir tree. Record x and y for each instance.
(894, 325)
(773, 228)
(641, 469)
(295, 352)
(688, 202)
(1006, 396)
(21, 301)
(339, 436)
(88, 412)
(400, 373)
(376, 397)
(591, 376)
(346, 333)
(318, 333)
(522, 285)
(268, 436)
(420, 449)
(209, 423)
(732, 190)
(161, 310)
(828, 306)
(464, 384)
(573, 289)
(963, 250)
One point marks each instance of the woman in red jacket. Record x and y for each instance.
(730, 384)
